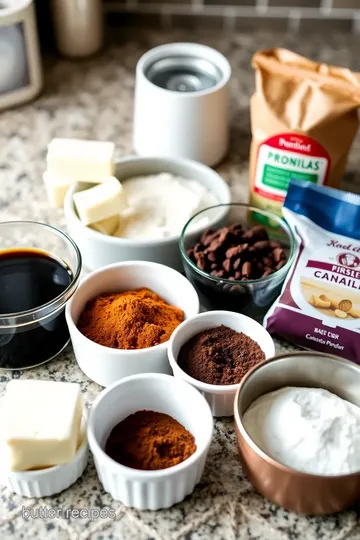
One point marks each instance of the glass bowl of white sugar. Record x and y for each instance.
(297, 419)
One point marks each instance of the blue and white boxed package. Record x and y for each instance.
(319, 306)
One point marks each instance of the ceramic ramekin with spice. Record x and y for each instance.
(297, 421)
(148, 445)
(122, 317)
(214, 350)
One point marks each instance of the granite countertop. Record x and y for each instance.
(93, 99)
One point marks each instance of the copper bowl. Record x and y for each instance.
(293, 490)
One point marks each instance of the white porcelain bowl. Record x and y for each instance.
(46, 482)
(99, 250)
(103, 364)
(220, 397)
(150, 490)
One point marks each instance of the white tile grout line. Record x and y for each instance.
(229, 19)
(166, 20)
(197, 5)
(218, 10)
(261, 6)
(356, 24)
(326, 6)
(294, 21)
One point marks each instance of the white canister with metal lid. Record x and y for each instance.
(181, 103)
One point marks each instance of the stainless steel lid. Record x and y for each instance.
(183, 73)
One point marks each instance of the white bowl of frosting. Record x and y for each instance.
(162, 195)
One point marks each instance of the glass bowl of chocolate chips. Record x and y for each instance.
(241, 264)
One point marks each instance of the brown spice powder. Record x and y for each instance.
(150, 441)
(135, 319)
(219, 356)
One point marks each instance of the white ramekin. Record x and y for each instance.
(98, 250)
(220, 397)
(150, 490)
(46, 482)
(103, 364)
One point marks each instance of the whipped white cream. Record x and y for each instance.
(160, 205)
(308, 429)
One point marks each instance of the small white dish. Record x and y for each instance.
(52, 480)
(98, 250)
(220, 397)
(150, 490)
(103, 364)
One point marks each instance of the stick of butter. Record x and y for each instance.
(41, 423)
(100, 202)
(106, 226)
(86, 161)
(56, 188)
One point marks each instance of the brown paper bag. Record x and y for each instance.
(303, 121)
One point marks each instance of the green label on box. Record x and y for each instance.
(279, 178)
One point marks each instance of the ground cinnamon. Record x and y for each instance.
(150, 441)
(130, 320)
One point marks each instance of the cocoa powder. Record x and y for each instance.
(219, 356)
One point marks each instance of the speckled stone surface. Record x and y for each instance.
(93, 99)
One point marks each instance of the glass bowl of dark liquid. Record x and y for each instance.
(39, 272)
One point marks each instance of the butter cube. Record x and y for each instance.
(56, 187)
(107, 226)
(100, 202)
(41, 423)
(86, 161)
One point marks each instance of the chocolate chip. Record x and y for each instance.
(267, 261)
(198, 248)
(260, 232)
(233, 251)
(214, 246)
(201, 261)
(205, 235)
(210, 238)
(280, 264)
(236, 263)
(275, 244)
(262, 245)
(217, 273)
(278, 254)
(211, 256)
(226, 265)
(246, 269)
(237, 254)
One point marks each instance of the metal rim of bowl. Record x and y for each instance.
(284, 270)
(59, 301)
(169, 49)
(240, 426)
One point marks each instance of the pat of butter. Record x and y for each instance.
(100, 202)
(41, 423)
(56, 188)
(106, 226)
(86, 161)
